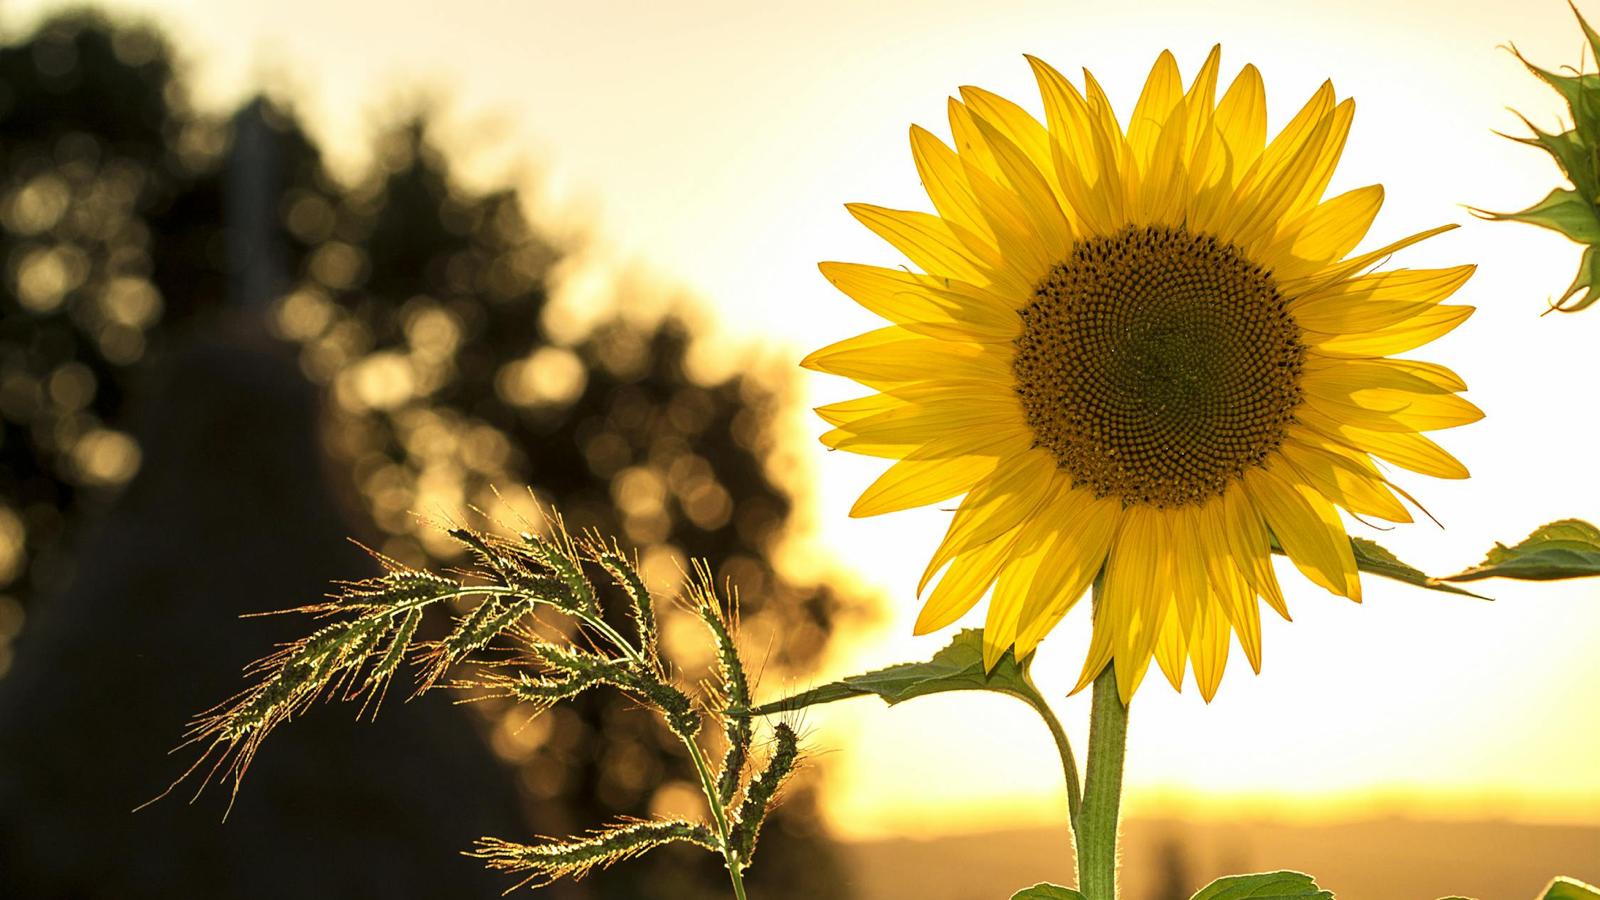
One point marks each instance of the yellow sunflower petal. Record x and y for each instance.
(1343, 481)
(1190, 580)
(1076, 162)
(929, 477)
(930, 243)
(1172, 652)
(1202, 93)
(1242, 121)
(1244, 549)
(1326, 155)
(1087, 528)
(940, 410)
(998, 505)
(968, 143)
(964, 584)
(1388, 409)
(1424, 327)
(1208, 648)
(1378, 300)
(940, 308)
(1118, 178)
(1407, 450)
(896, 355)
(1237, 600)
(1269, 192)
(1163, 90)
(1099, 656)
(946, 183)
(1309, 529)
(1026, 255)
(1346, 269)
(1344, 379)
(1137, 592)
(1049, 225)
(1011, 120)
(847, 411)
(1200, 136)
(1439, 376)
(1327, 233)
(1011, 589)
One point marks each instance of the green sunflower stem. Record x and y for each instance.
(1069, 764)
(1102, 791)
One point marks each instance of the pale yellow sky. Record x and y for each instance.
(716, 142)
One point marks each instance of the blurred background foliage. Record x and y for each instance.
(149, 300)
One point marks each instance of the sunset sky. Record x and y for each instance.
(713, 145)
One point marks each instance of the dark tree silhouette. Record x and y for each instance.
(417, 307)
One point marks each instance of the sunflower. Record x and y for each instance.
(1145, 357)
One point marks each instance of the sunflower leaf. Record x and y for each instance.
(957, 667)
(1568, 548)
(1044, 891)
(1564, 888)
(1373, 559)
(1264, 886)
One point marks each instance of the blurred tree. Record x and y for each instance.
(419, 306)
(85, 170)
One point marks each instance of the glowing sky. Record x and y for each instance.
(714, 143)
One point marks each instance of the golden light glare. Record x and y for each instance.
(105, 458)
(741, 224)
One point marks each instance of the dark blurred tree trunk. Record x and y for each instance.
(230, 515)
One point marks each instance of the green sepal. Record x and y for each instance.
(1569, 548)
(957, 667)
(1561, 210)
(1264, 886)
(1568, 148)
(1044, 891)
(1587, 282)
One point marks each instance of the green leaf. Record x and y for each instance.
(1264, 886)
(1565, 888)
(1044, 891)
(1370, 557)
(1569, 548)
(958, 667)
(1375, 560)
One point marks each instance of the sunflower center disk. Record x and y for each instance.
(1158, 365)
